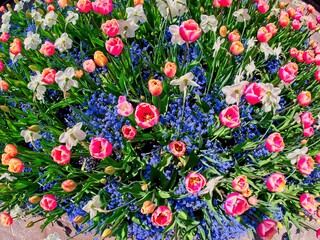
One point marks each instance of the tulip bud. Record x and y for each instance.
(68, 185)
(4, 108)
(39, 10)
(11, 150)
(202, 9)
(155, 87)
(9, 7)
(110, 170)
(78, 219)
(4, 85)
(34, 199)
(247, 193)
(148, 207)
(282, 5)
(78, 73)
(144, 187)
(304, 141)
(107, 233)
(223, 31)
(100, 59)
(137, 2)
(29, 224)
(34, 128)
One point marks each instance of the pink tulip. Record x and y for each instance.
(284, 21)
(225, 3)
(263, 7)
(146, 115)
(308, 56)
(114, 46)
(16, 46)
(305, 165)
(102, 6)
(253, 200)
(254, 93)
(274, 142)
(311, 9)
(236, 48)
(48, 202)
(276, 182)
(47, 48)
(170, 69)
(293, 52)
(15, 165)
(312, 25)
(318, 18)
(89, 66)
(177, 148)
(128, 132)
(317, 60)
(308, 202)
(6, 219)
(318, 158)
(230, 117)
(304, 98)
(48, 75)
(216, 3)
(11, 150)
(125, 108)
(299, 56)
(264, 35)
(195, 182)
(4, 37)
(155, 87)
(317, 75)
(100, 148)
(272, 28)
(1, 66)
(4, 85)
(235, 204)
(307, 119)
(234, 36)
(61, 155)
(316, 49)
(308, 132)
(240, 183)
(50, 8)
(267, 229)
(296, 25)
(110, 27)
(288, 72)
(162, 216)
(68, 185)
(318, 234)
(84, 6)
(190, 31)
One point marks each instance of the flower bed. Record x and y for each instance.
(161, 119)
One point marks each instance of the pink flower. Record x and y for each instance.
(129, 132)
(318, 158)
(308, 132)
(318, 233)
(317, 60)
(304, 98)
(155, 87)
(299, 56)
(15, 165)
(5, 219)
(146, 115)
(293, 52)
(272, 28)
(240, 183)
(296, 25)
(234, 36)
(264, 35)
(224, 3)
(236, 48)
(263, 7)
(48, 75)
(230, 117)
(89, 66)
(68, 185)
(316, 49)
(177, 148)
(267, 229)
(1, 66)
(11, 150)
(288, 72)
(47, 48)
(114, 46)
(170, 69)
(305, 165)
(284, 19)
(61, 155)
(102, 6)
(275, 142)
(254, 93)
(50, 8)
(312, 25)
(235, 204)
(4, 37)
(308, 56)
(190, 31)
(307, 119)
(253, 200)
(110, 27)
(317, 75)
(216, 3)
(318, 18)
(195, 182)
(16, 46)
(311, 9)
(84, 6)
(308, 202)
(48, 202)
(276, 182)
(100, 148)
(124, 107)
(162, 216)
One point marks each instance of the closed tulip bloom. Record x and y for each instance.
(170, 69)
(296, 25)
(110, 28)
(307, 119)
(318, 233)
(84, 6)
(137, 2)
(48, 75)
(48, 202)
(263, 7)
(15, 165)
(254, 93)
(100, 148)
(312, 25)
(1, 66)
(148, 207)
(125, 108)
(318, 158)
(305, 165)
(155, 87)
(267, 229)
(225, 3)
(78, 73)
(230, 117)
(223, 31)
(308, 203)
(284, 21)
(114, 46)
(11, 150)
(274, 142)
(293, 52)
(47, 48)
(240, 183)
(264, 35)
(100, 59)
(5, 219)
(162, 216)
(102, 6)
(50, 8)
(235, 204)
(89, 66)
(234, 36)
(253, 200)
(317, 60)
(4, 37)
(272, 28)
(308, 56)
(195, 182)
(276, 182)
(68, 185)
(304, 98)
(236, 48)
(61, 155)
(5, 159)
(299, 56)
(4, 85)
(291, 12)
(317, 75)
(16, 46)
(190, 31)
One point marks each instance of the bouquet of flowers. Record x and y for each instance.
(161, 119)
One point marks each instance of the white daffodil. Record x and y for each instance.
(15, 58)
(6, 17)
(176, 38)
(17, 212)
(217, 45)
(234, 93)
(275, 11)
(53, 236)
(251, 43)
(242, 15)
(266, 49)
(8, 177)
(127, 28)
(297, 118)
(32, 41)
(250, 68)
(37, 85)
(72, 136)
(172, 8)
(65, 80)
(136, 14)
(277, 51)
(318, 122)
(297, 154)
(184, 81)
(50, 19)
(63, 43)
(30, 136)
(211, 185)
(271, 98)
(36, 16)
(5, 27)
(19, 6)
(93, 206)
(208, 23)
(72, 17)
(239, 77)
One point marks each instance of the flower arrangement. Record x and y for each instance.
(161, 119)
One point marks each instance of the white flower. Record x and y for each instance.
(234, 93)
(50, 19)
(72, 136)
(172, 8)
(17, 212)
(36, 16)
(5, 27)
(30, 136)
(19, 6)
(32, 41)
(184, 81)
(318, 126)
(211, 185)
(239, 77)
(72, 17)
(65, 81)
(297, 154)
(275, 11)
(277, 51)
(251, 43)
(217, 45)
(176, 38)
(208, 23)
(63, 43)
(8, 177)
(242, 15)
(36, 84)
(6, 17)
(266, 49)
(297, 118)
(136, 14)
(53, 236)
(271, 98)
(127, 28)
(15, 58)
(250, 68)
(93, 206)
